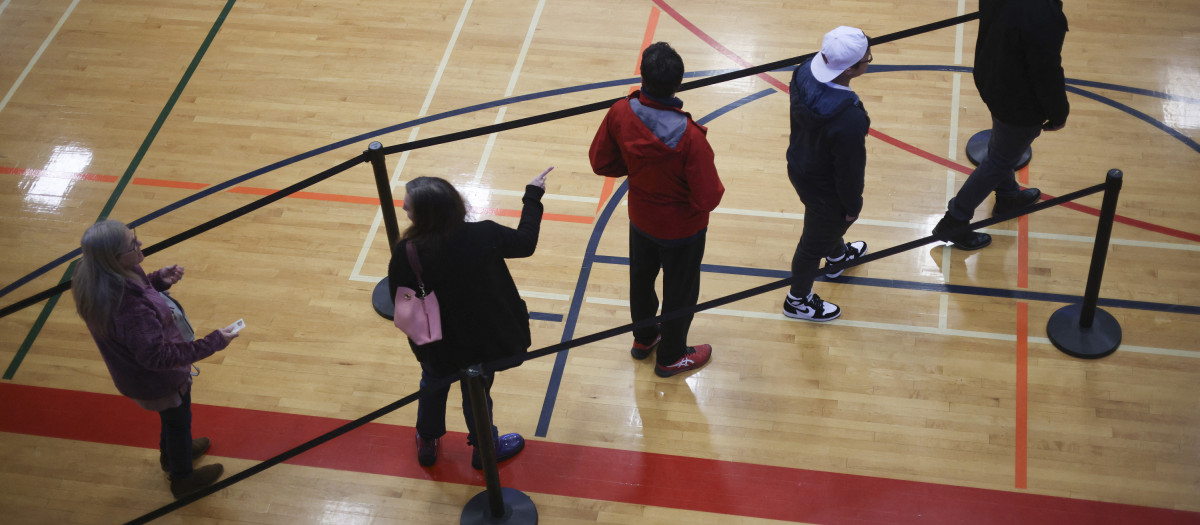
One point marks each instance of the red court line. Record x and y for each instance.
(658, 480)
(327, 197)
(1172, 232)
(1022, 428)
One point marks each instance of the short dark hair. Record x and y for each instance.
(662, 70)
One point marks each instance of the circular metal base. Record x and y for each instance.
(977, 149)
(518, 509)
(381, 299)
(1094, 342)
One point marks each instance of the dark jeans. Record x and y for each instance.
(996, 172)
(821, 238)
(175, 439)
(431, 409)
(680, 264)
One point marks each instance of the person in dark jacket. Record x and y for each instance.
(146, 342)
(1019, 74)
(673, 185)
(483, 317)
(827, 159)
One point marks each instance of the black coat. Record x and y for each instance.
(483, 317)
(1018, 61)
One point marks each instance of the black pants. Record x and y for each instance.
(821, 238)
(175, 437)
(680, 264)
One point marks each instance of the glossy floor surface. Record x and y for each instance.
(937, 396)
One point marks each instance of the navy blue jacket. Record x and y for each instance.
(827, 153)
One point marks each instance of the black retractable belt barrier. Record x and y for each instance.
(1083, 330)
(496, 504)
(381, 296)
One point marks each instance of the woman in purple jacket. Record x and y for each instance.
(147, 342)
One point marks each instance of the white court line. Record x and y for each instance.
(928, 330)
(2, 6)
(38, 54)
(955, 100)
(412, 135)
(508, 92)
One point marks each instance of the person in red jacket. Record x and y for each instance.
(673, 185)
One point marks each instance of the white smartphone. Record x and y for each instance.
(237, 326)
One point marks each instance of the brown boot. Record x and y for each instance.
(199, 447)
(199, 478)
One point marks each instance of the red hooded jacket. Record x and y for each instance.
(673, 183)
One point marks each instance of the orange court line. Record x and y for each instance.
(245, 190)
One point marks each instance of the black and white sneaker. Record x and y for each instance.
(854, 250)
(810, 309)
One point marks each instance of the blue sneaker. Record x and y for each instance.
(507, 447)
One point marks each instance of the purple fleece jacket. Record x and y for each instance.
(146, 354)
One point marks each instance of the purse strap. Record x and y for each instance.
(415, 262)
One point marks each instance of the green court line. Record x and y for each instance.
(122, 183)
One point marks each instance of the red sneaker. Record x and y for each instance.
(642, 351)
(694, 358)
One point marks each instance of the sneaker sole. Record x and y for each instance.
(815, 320)
(668, 373)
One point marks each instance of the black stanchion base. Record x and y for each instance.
(518, 509)
(381, 299)
(977, 149)
(1094, 342)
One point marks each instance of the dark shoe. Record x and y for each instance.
(810, 309)
(694, 358)
(199, 447)
(426, 451)
(970, 240)
(508, 447)
(1018, 200)
(854, 250)
(642, 351)
(198, 479)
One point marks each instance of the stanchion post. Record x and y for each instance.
(483, 438)
(503, 505)
(1108, 212)
(381, 297)
(1084, 330)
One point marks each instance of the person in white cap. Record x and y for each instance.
(827, 159)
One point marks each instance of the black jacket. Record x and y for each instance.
(827, 152)
(483, 317)
(1018, 61)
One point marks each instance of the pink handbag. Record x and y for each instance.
(417, 315)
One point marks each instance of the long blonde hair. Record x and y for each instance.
(99, 281)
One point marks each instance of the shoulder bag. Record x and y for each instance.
(417, 315)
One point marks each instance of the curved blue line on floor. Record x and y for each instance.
(533, 96)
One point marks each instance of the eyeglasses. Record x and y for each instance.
(867, 59)
(133, 246)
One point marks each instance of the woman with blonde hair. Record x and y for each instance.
(146, 342)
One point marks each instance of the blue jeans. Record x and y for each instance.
(175, 438)
(431, 409)
(996, 172)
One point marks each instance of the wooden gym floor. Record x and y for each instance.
(936, 398)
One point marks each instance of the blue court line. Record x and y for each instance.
(543, 316)
(545, 94)
(585, 270)
(1023, 295)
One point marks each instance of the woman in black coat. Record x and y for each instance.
(483, 317)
